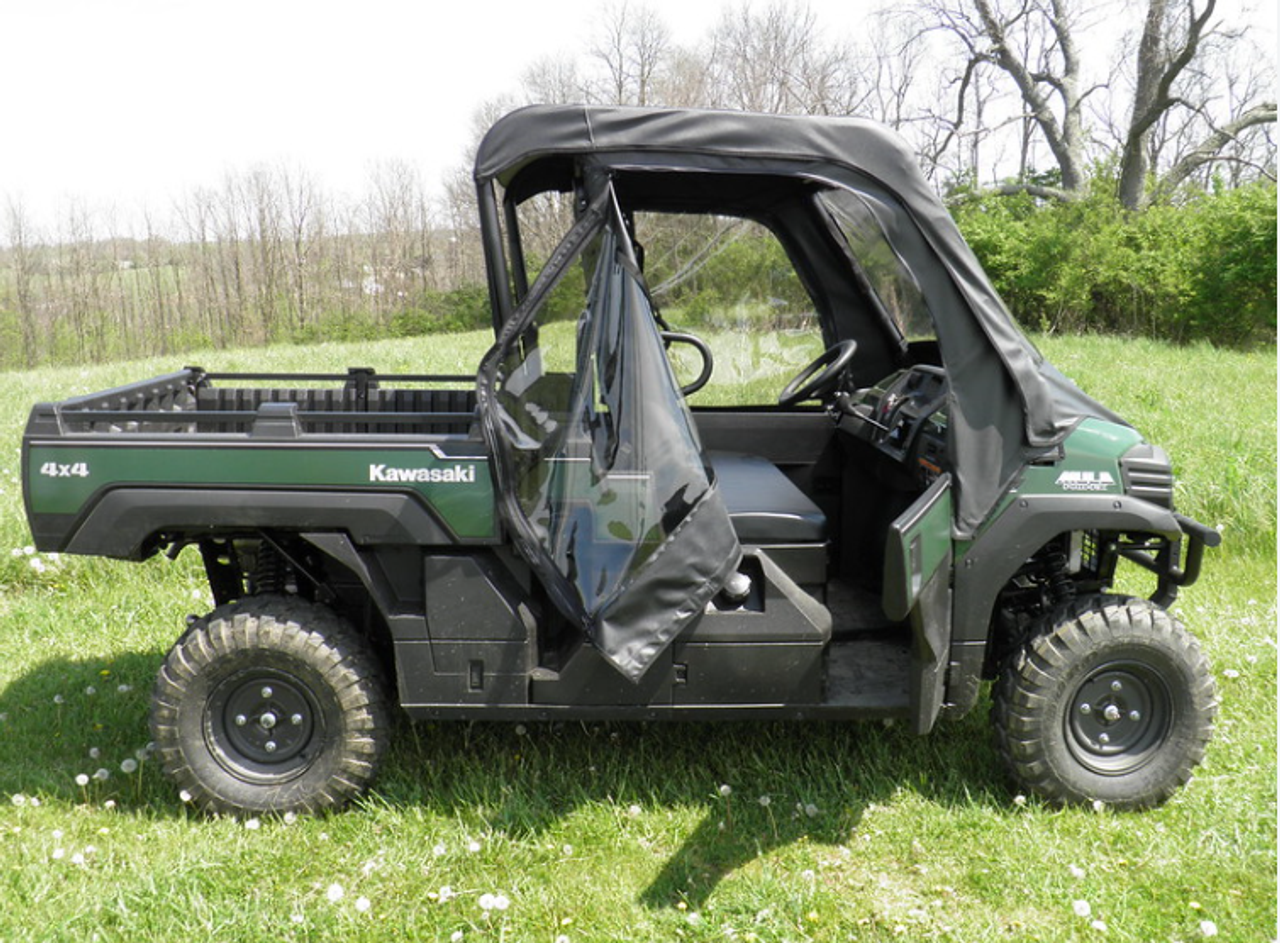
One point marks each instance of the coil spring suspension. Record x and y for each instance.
(270, 572)
(1057, 582)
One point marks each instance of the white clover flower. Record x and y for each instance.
(1230, 673)
(562, 938)
(1076, 871)
(1099, 805)
(567, 850)
(1081, 908)
(1020, 800)
(1208, 928)
(446, 893)
(808, 874)
(486, 902)
(129, 766)
(38, 565)
(634, 810)
(252, 824)
(1099, 925)
(363, 904)
(77, 858)
(473, 846)
(334, 893)
(109, 805)
(58, 854)
(290, 817)
(185, 796)
(455, 936)
(725, 791)
(29, 550)
(439, 849)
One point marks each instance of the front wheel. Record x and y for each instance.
(271, 708)
(1111, 699)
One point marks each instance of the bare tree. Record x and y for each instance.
(631, 45)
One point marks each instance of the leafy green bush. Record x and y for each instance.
(1200, 270)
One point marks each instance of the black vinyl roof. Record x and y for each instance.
(538, 133)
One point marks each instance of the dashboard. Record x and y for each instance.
(904, 417)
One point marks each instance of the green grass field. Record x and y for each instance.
(587, 832)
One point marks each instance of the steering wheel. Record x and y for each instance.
(820, 377)
(698, 344)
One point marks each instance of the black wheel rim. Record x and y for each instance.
(264, 726)
(1119, 718)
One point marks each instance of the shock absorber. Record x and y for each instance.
(1058, 584)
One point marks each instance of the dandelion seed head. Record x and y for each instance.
(82, 780)
(633, 811)
(1076, 871)
(124, 688)
(59, 699)
(290, 817)
(253, 824)
(1099, 925)
(725, 790)
(1020, 800)
(19, 799)
(455, 936)
(90, 691)
(445, 893)
(1099, 805)
(102, 775)
(129, 766)
(764, 802)
(1081, 908)
(567, 850)
(811, 810)
(473, 846)
(1231, 674)
(439, 849)
(78, 858)
(334, 893)
(94, 753)
(185, 796)
(363, 904)
(521, 730)
(1208, 928)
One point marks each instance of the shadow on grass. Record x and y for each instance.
(787, 781)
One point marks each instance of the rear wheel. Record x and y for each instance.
(270, 706)
(1111, 699)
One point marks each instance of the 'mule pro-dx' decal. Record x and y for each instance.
(1085, 481)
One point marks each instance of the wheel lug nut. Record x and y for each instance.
(267, 692)
(296, 720)
(1135, 716)
(267, 721)
(1112, 713)
(1086, 709)
(269, 746)
(1103, 738)
(1117, 686)
(241, 720)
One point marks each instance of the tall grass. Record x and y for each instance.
(622, 831)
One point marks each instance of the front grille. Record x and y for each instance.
(1147, 474)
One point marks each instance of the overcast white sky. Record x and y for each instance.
(132, 103)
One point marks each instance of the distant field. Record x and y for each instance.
(591, 832)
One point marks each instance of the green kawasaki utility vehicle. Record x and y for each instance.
(620, 517)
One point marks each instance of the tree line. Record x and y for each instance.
(1101, 195)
